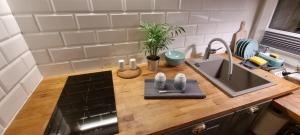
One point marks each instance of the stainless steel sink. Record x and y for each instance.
(241, 81)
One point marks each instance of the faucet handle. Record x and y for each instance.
(209, 51)
(213, 51)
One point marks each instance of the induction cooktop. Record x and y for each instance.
(86, 107)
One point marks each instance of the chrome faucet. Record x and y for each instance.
(209, 51)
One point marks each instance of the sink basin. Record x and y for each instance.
(242, 81)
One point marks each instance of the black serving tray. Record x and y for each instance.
(192, 91)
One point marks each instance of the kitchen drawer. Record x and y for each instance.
(243, 120)
(210, 127)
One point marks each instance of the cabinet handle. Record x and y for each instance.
(253, 109)
(198, 129)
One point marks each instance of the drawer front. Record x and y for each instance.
(243, 120)
(210, 127)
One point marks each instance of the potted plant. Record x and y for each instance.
(158, 37)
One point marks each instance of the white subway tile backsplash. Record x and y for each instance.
(223, 4)
(71, 5)
(140, 58)
(206, 28)
(4, 9)
(139, 4)
(107, 5)
(99, 50)
(79, 37)
(29, 6)
(126, 48)
(55, 22)
(153, 17)
(65, 54)
(190, 30)
(194, 40)
(2, 94)
(41, 56)
(28, 59)
(112, 35)
(26, 23)
(199, 17)
(227, 37)
(178, 43)
(55, 69)
(125, 20)
(3, 62)
(177, 18)
(87, 64)
(209, 37)
(226, 16)
(112, 61)
(89, 21)
(43, 40)
(135, 34)
(11, 74)
(3, 31)
(13, 47)
(227, 27)
(11, 25)
(191, 4)
(166, 4)
(31, 80)
(15, 59)
(11, 104)
(194, 51)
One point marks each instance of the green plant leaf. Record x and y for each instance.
(159, 36)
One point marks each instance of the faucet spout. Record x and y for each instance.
(208, 52)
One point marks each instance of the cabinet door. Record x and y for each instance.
(214, 126)
(244, 119)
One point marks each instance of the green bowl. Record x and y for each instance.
(174, 58)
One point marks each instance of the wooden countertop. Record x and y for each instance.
(139, 116)
(290, 104)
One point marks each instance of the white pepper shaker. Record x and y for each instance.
(180, 81)
(132, 64)
(121, 65)
(160, 81)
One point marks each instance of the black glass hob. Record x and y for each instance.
(86, 107)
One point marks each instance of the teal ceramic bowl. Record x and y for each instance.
(174, 58)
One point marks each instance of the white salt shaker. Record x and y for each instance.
(121, 65)
(180, 81)
(160, 81)
(132, 63)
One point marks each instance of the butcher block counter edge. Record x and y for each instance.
(290, 105)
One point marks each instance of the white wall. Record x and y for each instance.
(72, 35)
(19, 74)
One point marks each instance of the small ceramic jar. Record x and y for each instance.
(132, 64)
(121, 64)
(180, 81)
(160, 81)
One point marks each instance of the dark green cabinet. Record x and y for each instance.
(236, 123)
(209, 127)
(243, 120)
